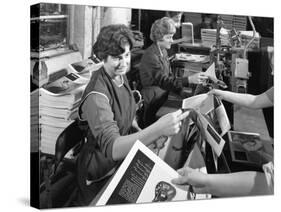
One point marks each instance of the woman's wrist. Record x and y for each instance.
(219, 93)
(156, 130)
(208, 183)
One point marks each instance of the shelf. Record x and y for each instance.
(49, 17)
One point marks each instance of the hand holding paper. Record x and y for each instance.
(192, 177)
(170, 123)
(211, 73)
(197, 78)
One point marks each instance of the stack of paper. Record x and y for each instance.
(34, 120)
(58, 104)
(240, 22)
(234, 22)
(143, 177)
(208, 37)
(227, 21)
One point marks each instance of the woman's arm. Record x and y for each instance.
(238, 184)
(222, 185)
(180, 40)
(165, 126)
(98, 113)
(135, 125)
(246, 100)
(157, 73)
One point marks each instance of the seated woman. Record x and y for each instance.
(108, 108)
(155, 71)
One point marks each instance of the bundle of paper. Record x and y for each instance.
(205, 104)
(85, 67)
(143, 178)
(192, 57)
(208, 37)
(58, 104)
(34, 120)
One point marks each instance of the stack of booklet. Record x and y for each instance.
(233, 21)
(58, 103)
(240, 22)
(34, 120)
(208, 37)
(227, 21)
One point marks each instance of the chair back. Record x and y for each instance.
(69, 138)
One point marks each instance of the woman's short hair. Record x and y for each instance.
(112, 40)
(162, 27)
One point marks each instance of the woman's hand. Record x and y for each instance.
(197, 78)
(189, 176)
(170, 123)
(158, 144)
(185, 39)
(216, 92)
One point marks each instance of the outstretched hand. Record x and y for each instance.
(216, 92)
(189, 176)
(170, 124)
(197, 78)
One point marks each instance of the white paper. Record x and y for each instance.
(211, 73)
(212, 137)
(222, 118)
(84, 67)
(204, 103)
(136, 179)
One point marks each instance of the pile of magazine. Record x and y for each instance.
(240, 22)
(34, 120)
(208, 37)
(59, 101)
(233, 21)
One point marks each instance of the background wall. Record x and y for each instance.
(86, 22)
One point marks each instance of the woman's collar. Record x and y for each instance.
(117, 83)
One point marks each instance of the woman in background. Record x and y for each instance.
(155, 71)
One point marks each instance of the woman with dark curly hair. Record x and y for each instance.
(155, 71)
(108, 108)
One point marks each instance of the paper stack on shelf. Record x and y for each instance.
(234, 22)
(240, 22)
(227, 21)
(58, 106)
(34, 120)
(208, 37)
(54, 105)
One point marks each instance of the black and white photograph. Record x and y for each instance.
(90, 62)
(148, 106)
